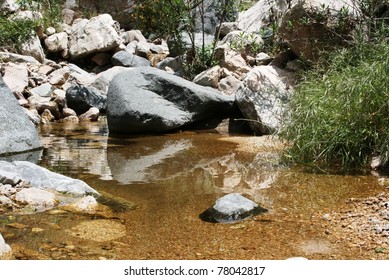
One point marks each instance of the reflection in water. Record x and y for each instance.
(86, 147)
(128, 167)
(73, 148)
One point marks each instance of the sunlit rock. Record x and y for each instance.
(18, 134)
(5, 250)
(91, 36)
(262, 97)
(231, 208)
(36, 197)
(42, 178)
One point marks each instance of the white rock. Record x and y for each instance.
(236, 64)
(81, 76)
(7, 190)
(67, 112)
(5, 250)
(36, 197)
(68, 16)
(209, 77)
(43, 90)
(92, 114)
(7, 57)
(95, 35)
(33, 48)
(104, 78)
(229, 85)
(262, 97)
(22, 15)
(259, 15)
(234, 202)
(133, 35)
(86, 204)
(50, 31)
(43, 178)
(8, 7)
(5, 201)
(60, 76)
(262, 58)
(16, 76)
(57, 42)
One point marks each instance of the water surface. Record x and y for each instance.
(172, 179)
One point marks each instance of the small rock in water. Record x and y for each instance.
(231, 208)
(327, 217)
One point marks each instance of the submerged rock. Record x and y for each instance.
(231, 208)
(36, 197)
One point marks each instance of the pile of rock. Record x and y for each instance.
(262, 84)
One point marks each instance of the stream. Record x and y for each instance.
(170, 179)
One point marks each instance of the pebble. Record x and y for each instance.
(37, 230)
(5, 201)
(7, 190)
(327, 217)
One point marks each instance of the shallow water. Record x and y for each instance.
(172, 179)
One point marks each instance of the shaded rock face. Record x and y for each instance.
(119, 9)
(150, 100)
(311, 26)
(18, 133)
(231, 208)
(81, 99)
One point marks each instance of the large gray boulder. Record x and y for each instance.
(150, 100)
(18, 133)
(262, 97)
(42, 178)
(231, 208)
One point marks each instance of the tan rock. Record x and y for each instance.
(16, 76)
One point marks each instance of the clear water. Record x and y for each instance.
(172, 179)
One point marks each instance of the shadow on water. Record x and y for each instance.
(172, 179)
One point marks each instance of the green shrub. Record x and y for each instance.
(14, 32)
(340, 115)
